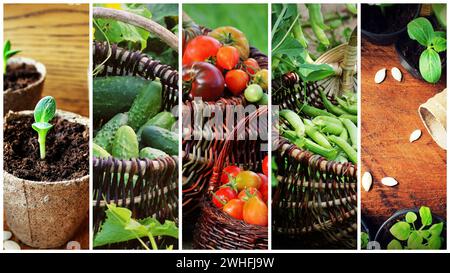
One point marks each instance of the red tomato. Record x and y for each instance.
(255, 212)
(234, 208)
(200, 49)
(229, 171)
(247, 179)
(203, 80)
(264, 187)
(227, 57)
(223, 195)
(265, 165)
(248, 193)
(236, 81)
(251, 66)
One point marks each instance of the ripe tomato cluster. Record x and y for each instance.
(219, 62)
(243, 194)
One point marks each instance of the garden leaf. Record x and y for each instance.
(430, 69)
(425, 215)
(439, 44)
(315, 72)
(421, 30)
(411, 217)
(436, 229)
(435, 242)
(394, 245)
(401, 230)
(414, 240)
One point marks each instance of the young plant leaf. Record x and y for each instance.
(421, 30)
(436, 229)
(435, 242)
(45, 109)
(414, 240)
(430, 66)
(401, 230)
(410, 217)
(439, 44)
(315, 72)
(425, 216)
(394, 245)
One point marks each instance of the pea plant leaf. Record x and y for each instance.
(436, 229)
(315, 72)
(421, 30)
(414, 240)
(401, 230)
(394, 245)
(120, 227)
(425, 216)
(435, 242)
(430, 66)
(410, 217)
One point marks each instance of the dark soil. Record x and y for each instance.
(67, 148)
(19, 76)
(394, 18)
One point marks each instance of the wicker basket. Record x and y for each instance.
(199, 155)
(155, 192)
(215, 229)
(315, 203)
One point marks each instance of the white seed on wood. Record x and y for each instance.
(6, 235)
(73, 245)
(380, 75)
(415, 135)
(397, 74)
(367, 181)
(389, 181)
(10, 245)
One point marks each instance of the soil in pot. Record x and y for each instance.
(394, 18)
(20, 75)
(67, 150)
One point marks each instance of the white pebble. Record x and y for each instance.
(389, 181)
(397, 74)
(6, 235)
(10, 245)
(380, 76)
(367, 181)
(73, 245)
(415, 135)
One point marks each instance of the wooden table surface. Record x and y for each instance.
(56, 35)
(389, 116)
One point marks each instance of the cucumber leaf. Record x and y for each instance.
(430, 66)
(421, 30)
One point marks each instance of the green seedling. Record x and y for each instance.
(421, 30)
(8, 53)
(43, 112)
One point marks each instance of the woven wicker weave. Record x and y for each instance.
(315, 203)
(215, 229)
(155, 192)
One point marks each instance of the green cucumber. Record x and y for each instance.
(115, 94)
(160, 139)
(164, 120)
(99, 151)
(151, 153)
(104, 138)
(146, 105)
(125, 145)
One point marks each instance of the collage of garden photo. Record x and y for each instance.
(166, 127)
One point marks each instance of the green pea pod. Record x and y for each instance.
(330, 106)
(329, 125)
(312, 111)
(297, 31)
(315, 16)
(344, 135)
(305, 143)
(317, 136)
(320, 34)
(352, 131)
(351, 153)
(350, 108)
(352, 8)
(353, 118)
(294, 120)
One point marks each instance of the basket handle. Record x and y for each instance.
(218, 166)
(139, 21)
(349, 62)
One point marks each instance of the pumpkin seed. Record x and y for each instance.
(415, 135)
(367, 181)
(10, 245)
(6, 235)
(397, 74)
(73, 245)
(389, 181)
(380, 75)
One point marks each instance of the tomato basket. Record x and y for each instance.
(215, 229)
(155, 190)
(315, 202)
(199, 155)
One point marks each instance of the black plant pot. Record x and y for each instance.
(385, 29)
(408, 52)
(384, 237)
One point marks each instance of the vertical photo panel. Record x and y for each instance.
(135, 117)
(403, 133)
(315, 133)
(46, 126)
(225, 126)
